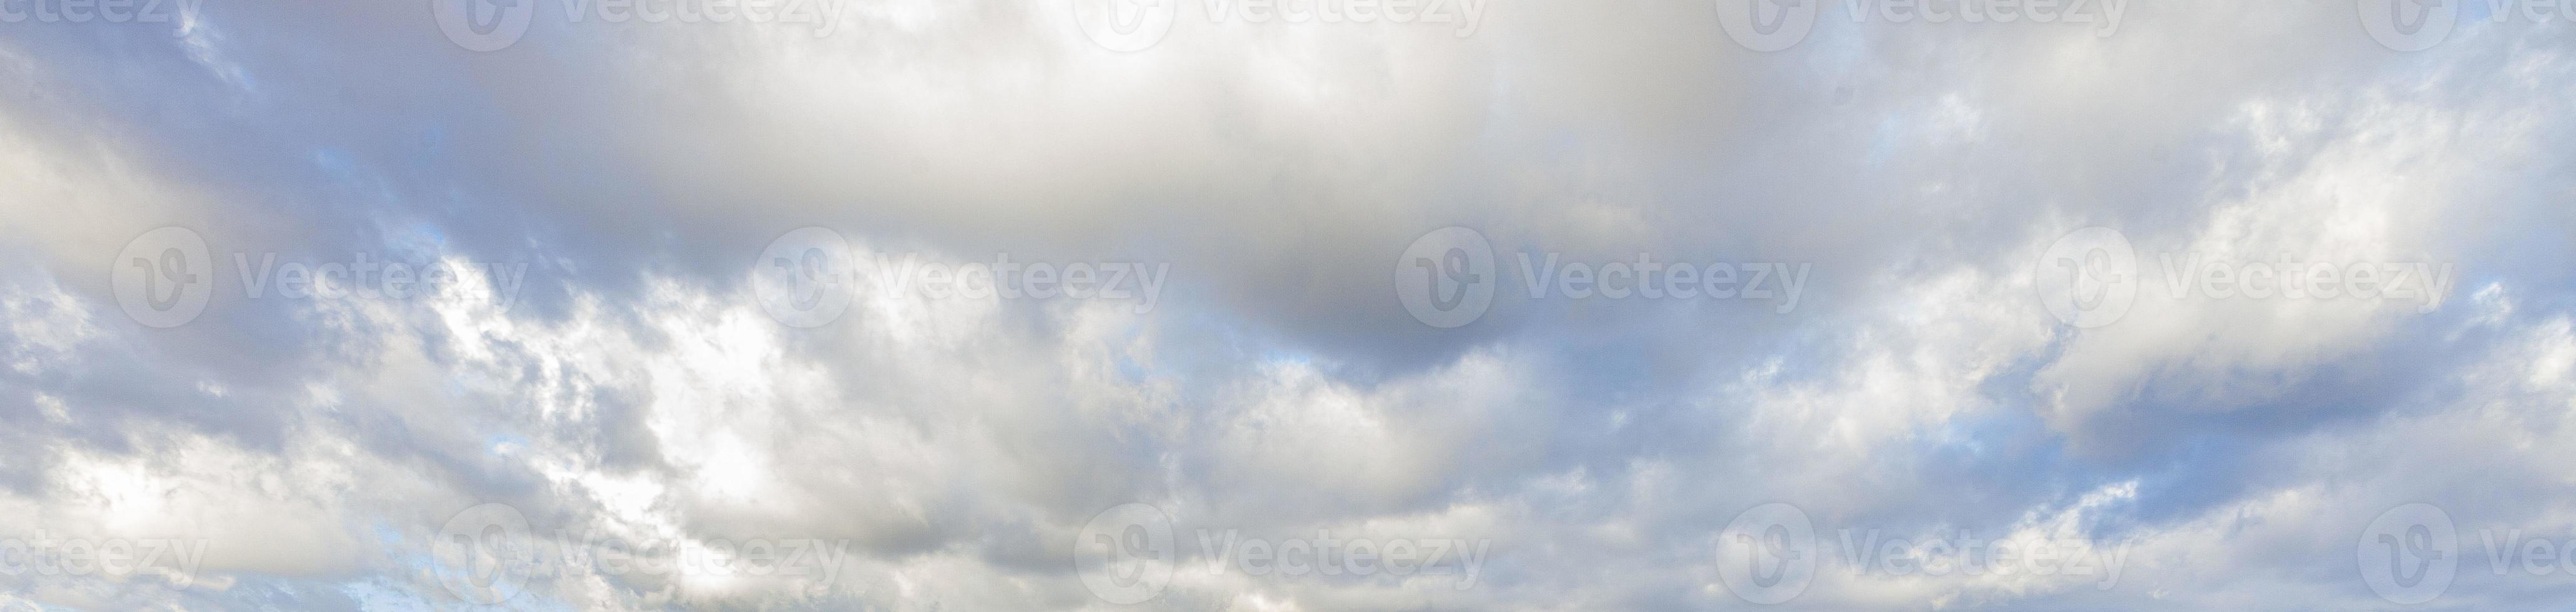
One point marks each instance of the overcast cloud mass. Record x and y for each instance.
(1306, 305)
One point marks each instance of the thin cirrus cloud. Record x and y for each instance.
(605, 369)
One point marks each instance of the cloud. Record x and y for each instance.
(623, 388)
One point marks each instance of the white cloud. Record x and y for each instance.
(633, 387)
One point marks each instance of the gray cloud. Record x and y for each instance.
(635, 390)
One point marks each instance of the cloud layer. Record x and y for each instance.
(607, 362)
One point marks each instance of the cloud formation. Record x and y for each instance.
(606, 372)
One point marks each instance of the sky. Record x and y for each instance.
(1307, 305)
